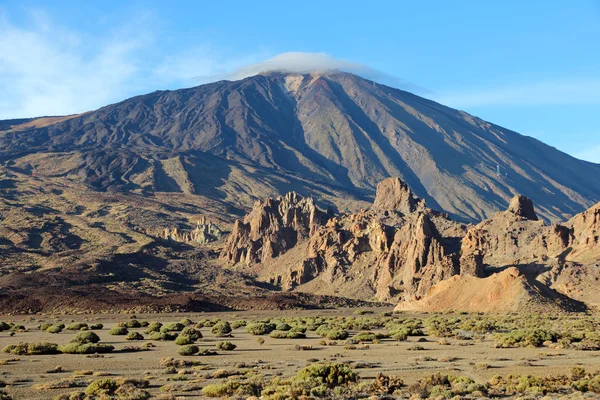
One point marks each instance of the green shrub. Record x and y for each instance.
(134, 336)
(85, 337)
(153, 327)
(88, 348)
(293, 334)
(188, 350)
(238, 324)
(186, 322)
(331, 375)
(54, 329)
(368, 336)
(118, 331)
(283, 326)
(525, 338)
(96, 327)
(183, 340)
(192, 332)
(164, 336)
(133, 323)
(104, 386)
(333, 333)
(30, 349)
(77, 326)
(228, 346)
(260, 328)
(221, 328)
(172, 327)
(42, 327)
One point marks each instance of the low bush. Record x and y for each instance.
(31, 349)
(238, 324)
(87, 348)
(183, 340)
(134, 336)
(331, 375)
(96, 327)
(292, 334)
(153, 327)
(192, 332)
(172, 327)
(260, 328)
(188, 350)
(118, 331)
(525, 338)
(54, 329)
(228, 346)
(85, 337)
(221, 328)
(133, 323)
(163, 336)
(77, 326)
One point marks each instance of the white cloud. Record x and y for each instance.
(560, 92)
(46, 70)
(303, 62)
(590, 154)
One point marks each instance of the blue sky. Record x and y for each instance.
(533, 67)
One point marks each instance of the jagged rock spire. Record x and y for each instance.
(522, 207)
(394, 194)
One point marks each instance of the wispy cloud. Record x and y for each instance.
(559, 92)
(205, 64)
(303, 62)
(47, 70)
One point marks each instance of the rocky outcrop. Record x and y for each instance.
(522, 207)
(394, 195)
(384, 253)
(273, 227)
(204, 232)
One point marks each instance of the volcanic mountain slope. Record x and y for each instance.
(329, 135)
(402, 250)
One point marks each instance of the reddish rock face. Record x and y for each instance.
(398, 242)
(523, 207)
(272, 228)
(204, 232)
(394, 195)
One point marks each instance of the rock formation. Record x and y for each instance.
(399, 250)
(272, 228)
(395, 248)
(394, 194)
(204, 232)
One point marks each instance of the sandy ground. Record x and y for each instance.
(274, 357)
